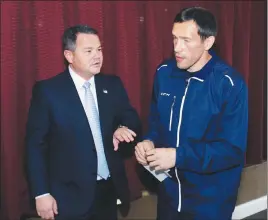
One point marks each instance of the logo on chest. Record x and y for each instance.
(164, 94)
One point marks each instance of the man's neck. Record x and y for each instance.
(85, 76)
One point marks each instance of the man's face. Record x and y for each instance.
(87, 58)
(188, 46)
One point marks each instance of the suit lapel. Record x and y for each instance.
(73, 102)
(102, 96)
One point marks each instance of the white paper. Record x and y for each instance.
(160, 175)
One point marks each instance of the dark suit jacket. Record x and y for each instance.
(61, 155)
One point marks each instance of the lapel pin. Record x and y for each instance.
(105, 91)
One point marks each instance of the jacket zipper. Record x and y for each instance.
(178, 134)
(178, 139)
(181, 108)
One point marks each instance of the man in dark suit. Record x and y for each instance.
(76, 122)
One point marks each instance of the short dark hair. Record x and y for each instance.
(205, 20)
(70, 35)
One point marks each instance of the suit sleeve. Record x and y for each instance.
(229, 148)
(128, 116)
(154, 125)
(36, 147)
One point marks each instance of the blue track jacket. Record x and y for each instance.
(205, 117)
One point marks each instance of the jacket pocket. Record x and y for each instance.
(171, 113)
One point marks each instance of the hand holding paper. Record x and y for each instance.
(161, 158)
(141, 149)
(156, 160)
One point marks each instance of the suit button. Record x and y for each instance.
(94, 150)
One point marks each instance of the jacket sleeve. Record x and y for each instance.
(154, 124)
(128, 116)
(228, 149)
(36, 147)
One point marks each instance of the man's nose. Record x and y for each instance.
(97, 54)
(178, 47)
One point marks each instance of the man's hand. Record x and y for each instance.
(140, 151)
(161, 158)
(46, 207)
(123, 134)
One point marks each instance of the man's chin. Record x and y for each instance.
(181, 66)
(95, 71)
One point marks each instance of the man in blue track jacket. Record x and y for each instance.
(197, 126)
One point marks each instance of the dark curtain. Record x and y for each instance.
(136, 36)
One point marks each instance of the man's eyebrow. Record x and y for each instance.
(91, 47)
(185, 38)
(182, 37)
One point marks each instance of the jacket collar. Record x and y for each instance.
(202, 74)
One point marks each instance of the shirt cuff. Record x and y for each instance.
(42, 195)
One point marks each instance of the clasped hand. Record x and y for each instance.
(157, 158)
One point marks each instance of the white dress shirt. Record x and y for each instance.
(79, 82)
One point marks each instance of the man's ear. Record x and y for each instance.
(68, 55)
(209, 42)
